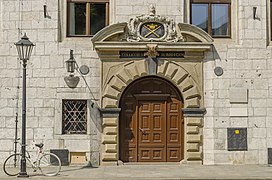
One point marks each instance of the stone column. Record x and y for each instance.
(193, 118)
(109, 148)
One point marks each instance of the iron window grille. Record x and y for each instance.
(74, 119)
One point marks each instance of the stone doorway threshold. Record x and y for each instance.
(150, 163)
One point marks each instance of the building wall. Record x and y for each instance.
(45, 78)
(245, 59)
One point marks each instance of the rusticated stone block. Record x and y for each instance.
(194, 156)
(192, 147)
(194, 121)
(194, 138)
(192, 103)
(109, 139)
(110, 148)
(110, 130)
(192, 130)
(109, 156)
(109, 122)
(109, 102)
(116, 83)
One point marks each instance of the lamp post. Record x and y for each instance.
(24, 48)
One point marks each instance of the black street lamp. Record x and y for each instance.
(24, 48)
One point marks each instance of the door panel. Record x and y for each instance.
(174, 131)
(151, 125)
(151, 144)
(128, 134)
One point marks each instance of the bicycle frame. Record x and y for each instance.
(34, 162)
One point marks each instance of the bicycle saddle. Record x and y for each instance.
(40, 145)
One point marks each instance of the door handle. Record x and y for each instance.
(143, 131)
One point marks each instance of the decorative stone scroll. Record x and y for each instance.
(152, 27)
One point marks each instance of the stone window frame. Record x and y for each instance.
(210, 3)
(58, 116)
(88, 24)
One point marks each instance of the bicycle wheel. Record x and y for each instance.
(12, 165)
(49, 164)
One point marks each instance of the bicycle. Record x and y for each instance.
(48, 163)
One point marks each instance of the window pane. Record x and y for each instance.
(98, 17)
(77, 21)
(220, 20)
(200, 16)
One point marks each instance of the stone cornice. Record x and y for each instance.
(194, 112)
(110, 112)
(161, 46)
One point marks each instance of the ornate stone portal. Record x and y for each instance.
(151, 45)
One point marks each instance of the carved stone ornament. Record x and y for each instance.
(152, 27)
(152, 51)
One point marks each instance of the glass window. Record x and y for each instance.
(77, 21)
(213, 16)
(86, 18)
(200, 16)
(74, 117)
(98, 17)
(220, 19)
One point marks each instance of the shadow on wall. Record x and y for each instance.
(95, 116)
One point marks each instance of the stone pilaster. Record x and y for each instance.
(193, 118)
(109, 149)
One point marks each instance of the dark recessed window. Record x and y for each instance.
(271, 20)
(213, 16)
(85, 18)
(74, 117)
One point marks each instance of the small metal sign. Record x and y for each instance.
(237, 139)
(141, 54)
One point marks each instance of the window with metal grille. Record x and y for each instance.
(74, 118)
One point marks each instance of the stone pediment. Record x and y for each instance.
(152, 28)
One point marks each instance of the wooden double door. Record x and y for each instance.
(151, 125)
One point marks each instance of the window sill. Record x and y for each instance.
(72, 136)
(223, 40)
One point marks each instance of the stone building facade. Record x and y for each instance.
(219, 88)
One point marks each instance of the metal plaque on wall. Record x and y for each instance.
(237, 139)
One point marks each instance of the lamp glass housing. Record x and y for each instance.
(24, 48)
(70, 65)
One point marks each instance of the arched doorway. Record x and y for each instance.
(151, 126)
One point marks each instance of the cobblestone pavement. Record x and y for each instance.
(145, 172)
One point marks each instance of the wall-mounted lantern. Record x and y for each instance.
(71, 65)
